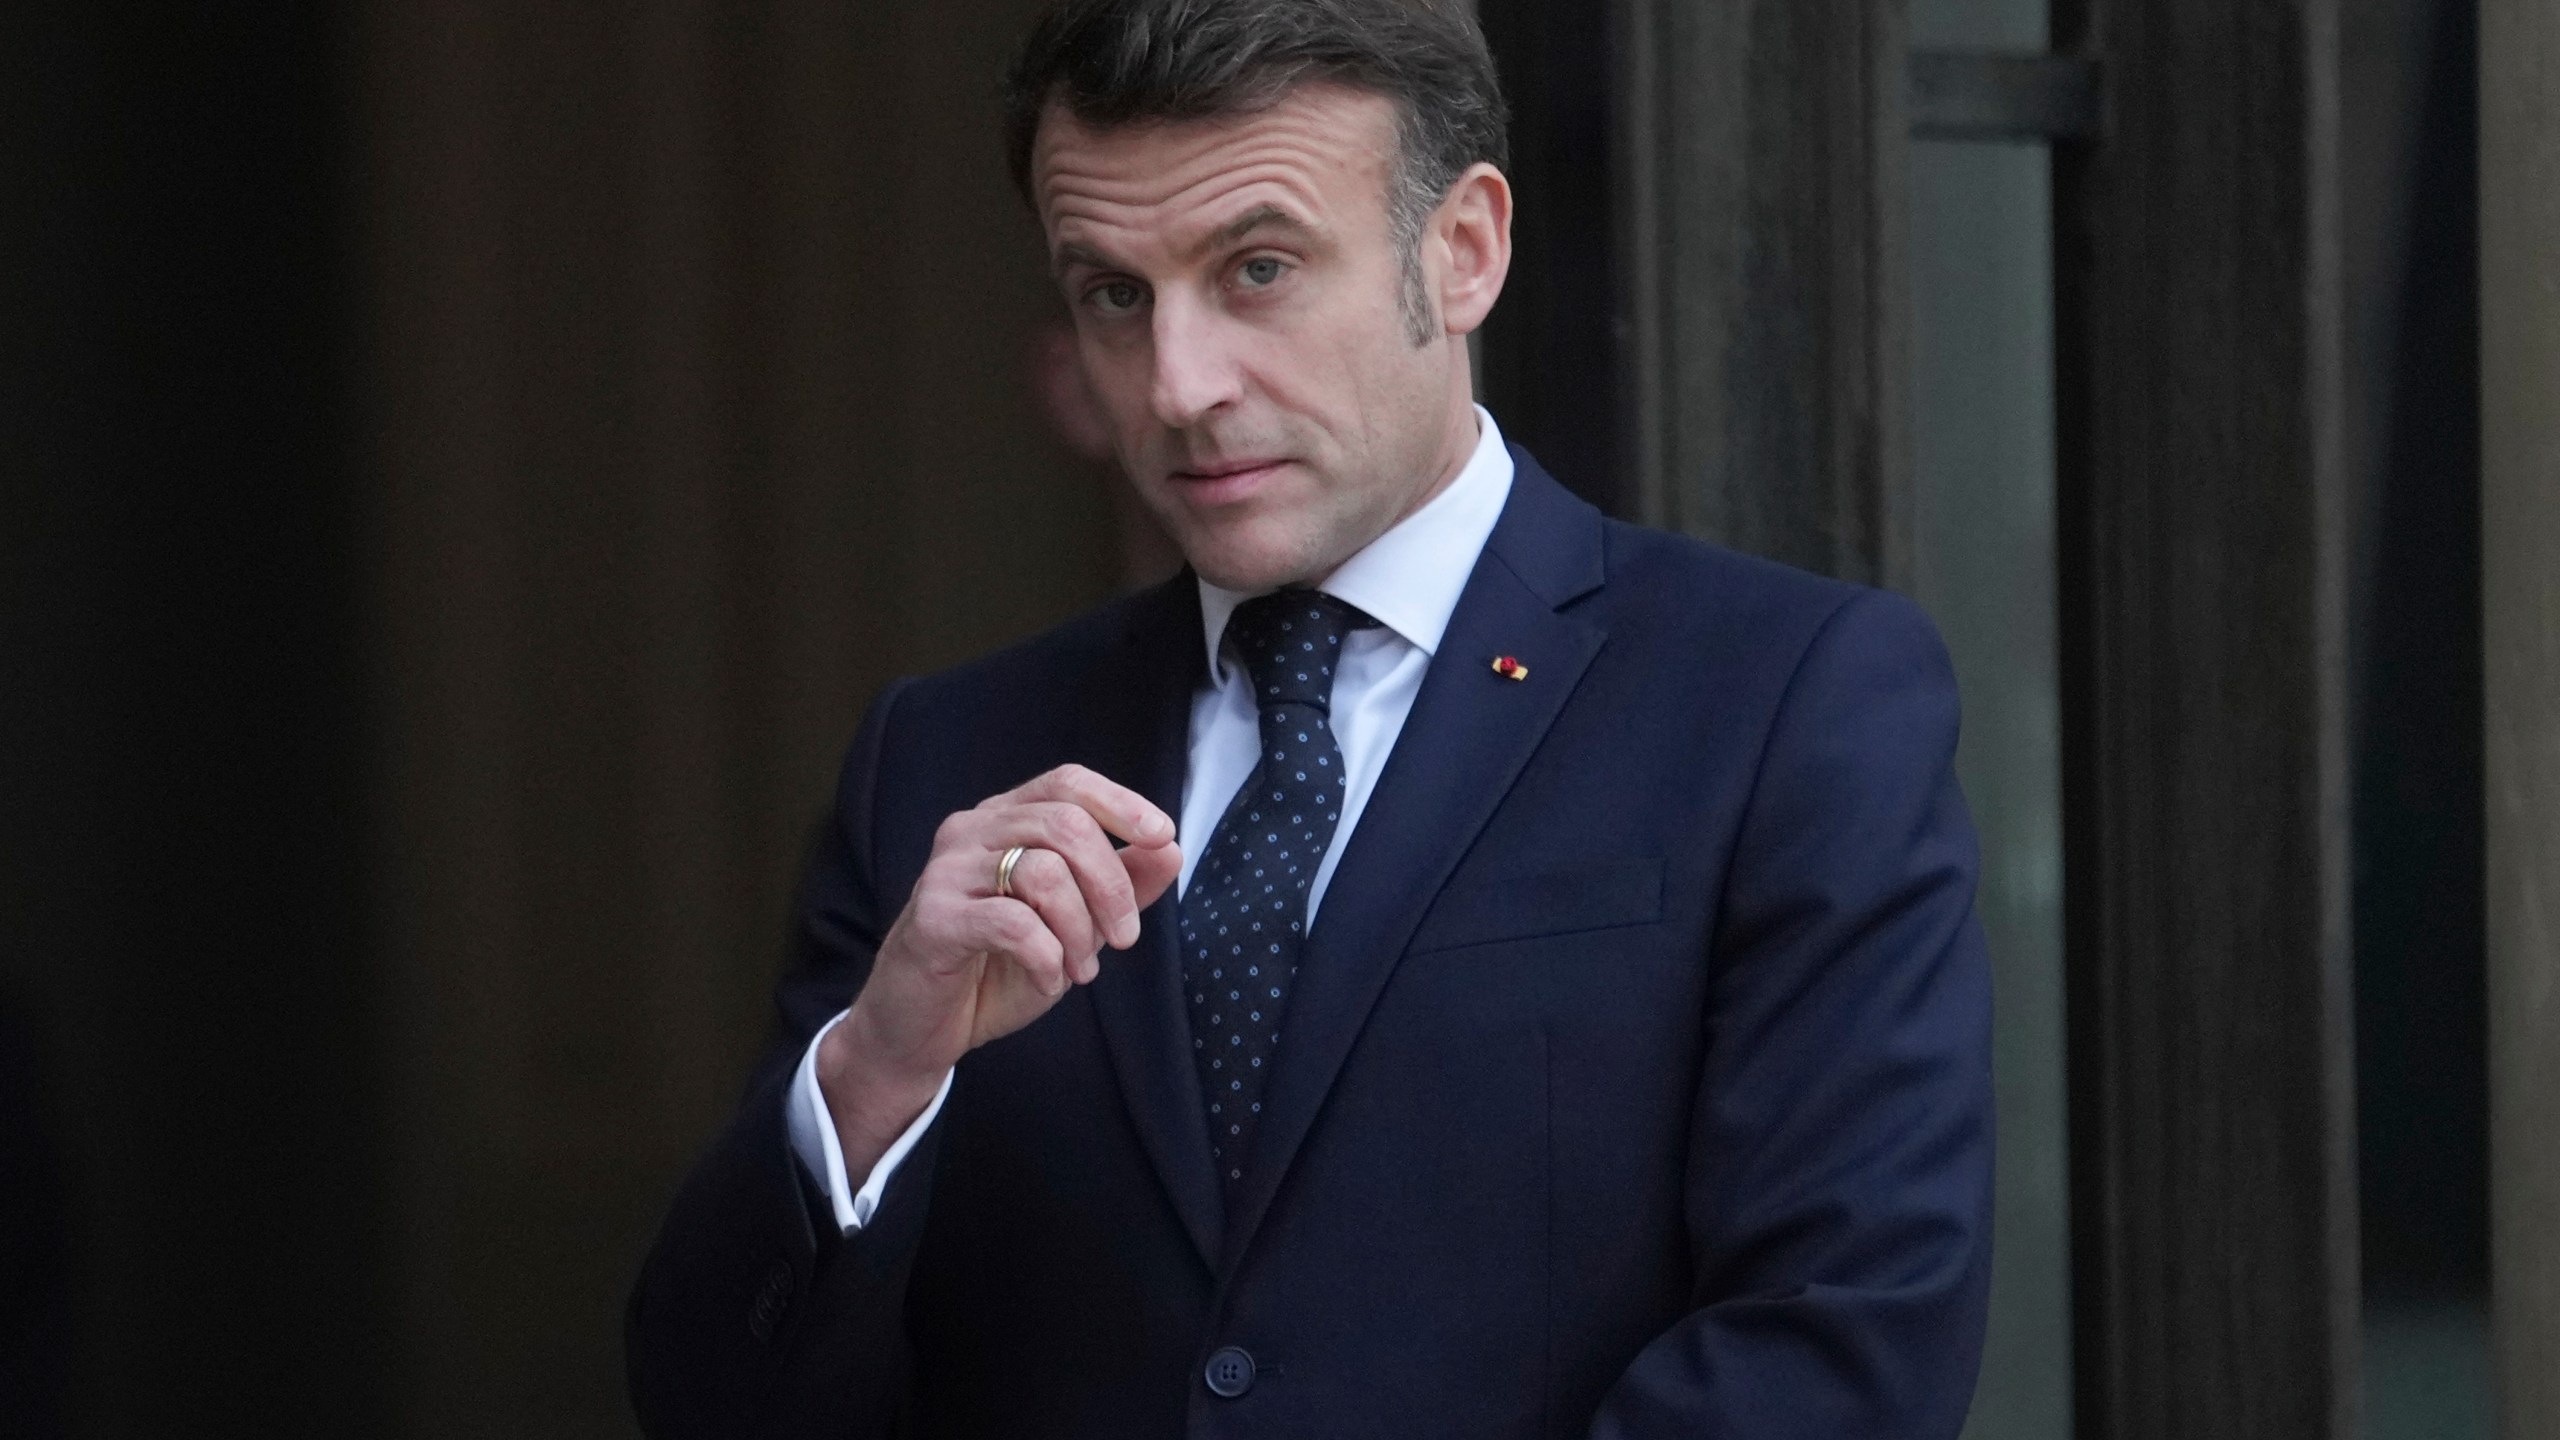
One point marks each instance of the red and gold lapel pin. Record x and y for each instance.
(1509, 668)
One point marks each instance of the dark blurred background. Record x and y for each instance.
(464, 467)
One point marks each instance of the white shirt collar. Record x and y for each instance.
(1408, 579)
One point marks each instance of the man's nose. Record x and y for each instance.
(1195, 363)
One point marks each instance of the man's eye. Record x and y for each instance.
(1260, 271)
(1115, 297)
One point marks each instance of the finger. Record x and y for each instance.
(1071, 833)
(1014, 932)
(1115, 807)
(1150, 871)
(1042, 881)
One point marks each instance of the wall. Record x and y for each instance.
(698, 407)
(463, 470)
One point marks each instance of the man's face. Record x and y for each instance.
(1235, 287)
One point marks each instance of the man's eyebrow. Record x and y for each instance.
(1072, 253)
(1258, 218)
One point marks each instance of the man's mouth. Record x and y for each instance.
(1226, 479)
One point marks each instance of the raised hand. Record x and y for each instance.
(963, 964)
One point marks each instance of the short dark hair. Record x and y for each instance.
(1126, 62)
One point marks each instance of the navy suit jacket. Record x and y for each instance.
(1636, 1083)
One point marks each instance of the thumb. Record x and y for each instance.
(1151, 868)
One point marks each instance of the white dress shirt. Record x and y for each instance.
(1408, 580)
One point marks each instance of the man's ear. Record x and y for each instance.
(1472, 230)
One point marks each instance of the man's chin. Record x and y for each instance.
(1251, 564)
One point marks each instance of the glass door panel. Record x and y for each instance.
(1984, 466)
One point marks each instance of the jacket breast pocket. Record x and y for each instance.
(1555, 900)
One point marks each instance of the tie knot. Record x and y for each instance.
(1292, 641)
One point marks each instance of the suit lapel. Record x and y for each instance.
(1136, 729)
(1463, 745)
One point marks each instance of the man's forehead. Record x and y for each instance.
(1292, 153)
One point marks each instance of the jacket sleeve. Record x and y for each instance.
(1839, 1167)
(751, 1315)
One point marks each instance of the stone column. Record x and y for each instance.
(2520, 562)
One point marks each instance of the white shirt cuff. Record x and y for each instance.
(813, 1139)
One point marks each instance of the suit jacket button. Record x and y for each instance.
(1230, 1372)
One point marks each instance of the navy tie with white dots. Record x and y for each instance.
(1245, 911)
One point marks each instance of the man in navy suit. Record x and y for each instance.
(1446, 964)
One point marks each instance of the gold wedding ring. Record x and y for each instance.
(1004, 871)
